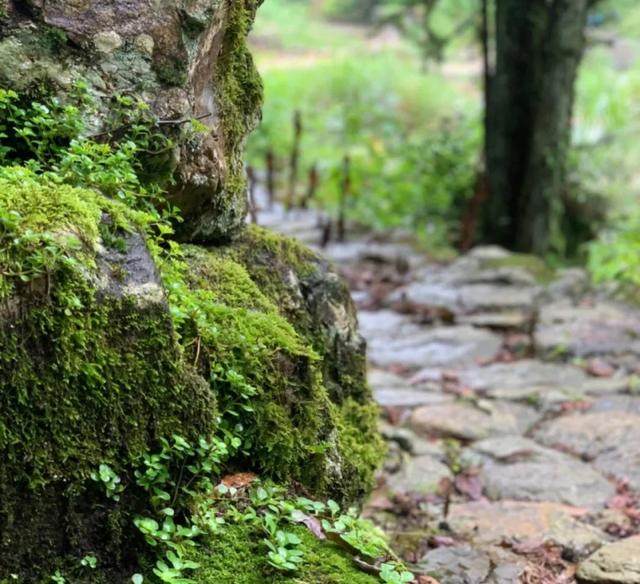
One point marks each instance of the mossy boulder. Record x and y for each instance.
(110, 344)
(185, 59)
(237, 556)
(286, 323)
(90, 370)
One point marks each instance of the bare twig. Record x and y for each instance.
(294, 159)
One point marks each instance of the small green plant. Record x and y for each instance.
(111, 481)
(361, 535)
(395, 574)
(89, 561)
(58, 578)
(172, 570)
(285, 552)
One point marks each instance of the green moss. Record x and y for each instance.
(532, 264)
(240, 93)
(228, 281)
(360, 446)
(171, 71)
(308, 295)
(262, 371)
(310, 418)
(238, 555)
(88, 375)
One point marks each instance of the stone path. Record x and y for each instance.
(511, 400)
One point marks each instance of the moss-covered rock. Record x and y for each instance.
(90, 369)
(185, 59)
(108, 347)
(284, 322)
(237, 556)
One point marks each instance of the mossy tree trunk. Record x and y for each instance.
(538, 49)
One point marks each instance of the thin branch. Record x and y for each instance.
(117, 129)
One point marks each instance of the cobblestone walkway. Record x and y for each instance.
(511, 400)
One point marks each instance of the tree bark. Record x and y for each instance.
(539, 45)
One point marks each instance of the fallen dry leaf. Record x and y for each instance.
(426, 580)
(312, 524)
(469, 483)
(599, 368)
(238, 480)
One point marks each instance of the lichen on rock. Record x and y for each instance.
(187, 60)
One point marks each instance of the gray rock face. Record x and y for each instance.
(129, 273)
(615, 563)
(612, 442)
(519, 469)
(180, 58)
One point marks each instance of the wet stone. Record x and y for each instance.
(615, 563)
(611, 442)
(498, 320)
(456, 565)
(413, 347)
(527, 380)
(412, 443)
(491, 523)
(473, 422)
(585, 330)
(519, 469)
(617, 403)
(394, 391)
(419, 474)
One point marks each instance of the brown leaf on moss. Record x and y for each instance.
(238, 480)
(312, 524)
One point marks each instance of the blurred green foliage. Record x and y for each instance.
(414, 138)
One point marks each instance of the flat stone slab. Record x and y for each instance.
(603, 328)
(465, 297)
(617, 403)
(420, 474)
(473, 422)
(514, 319)
(614, 563)
(384, 253)
(456, 565)
(380, 323)
(465, 564)
(487, 297)
(519, 469)
(479, 289)
(394, 391)
(410, 442)
(611, 441)
(491, 523)
(540, 382)
(527, 380)
(414, 347)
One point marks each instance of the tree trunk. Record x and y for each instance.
(539, 45)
